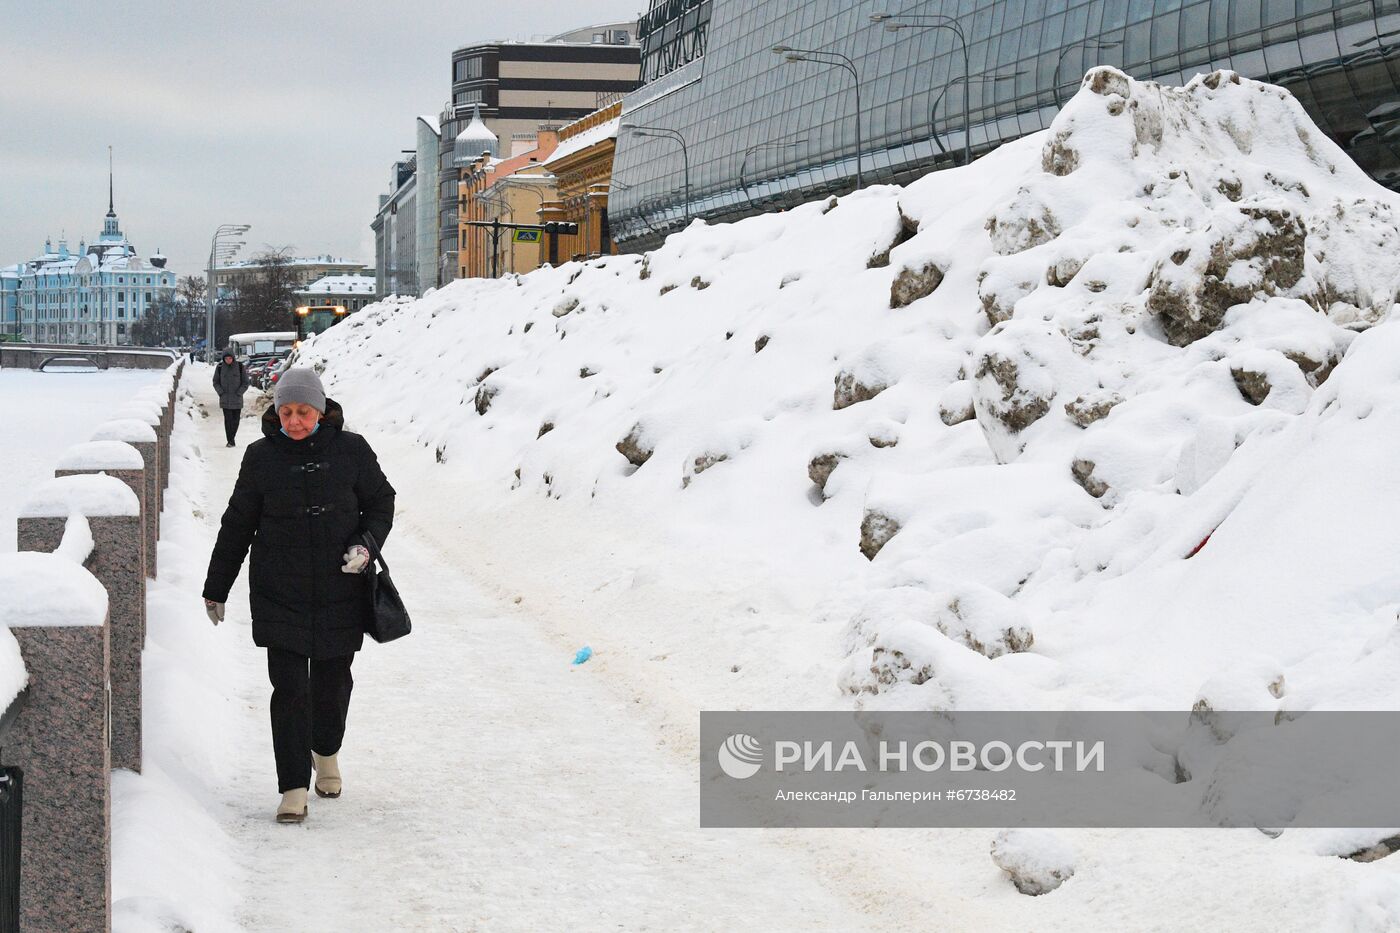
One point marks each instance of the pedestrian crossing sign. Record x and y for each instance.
(526, 236)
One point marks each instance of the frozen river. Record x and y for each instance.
(43, 413)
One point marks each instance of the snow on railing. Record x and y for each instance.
(72, 610)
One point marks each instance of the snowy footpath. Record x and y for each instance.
(488, 785)
(492, 786)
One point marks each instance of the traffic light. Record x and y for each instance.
(560, 226)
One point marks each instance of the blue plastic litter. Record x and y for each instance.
(583, 654)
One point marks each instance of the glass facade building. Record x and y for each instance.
(748, 129)
(395, 229)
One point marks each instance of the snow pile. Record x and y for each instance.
(130, 430)
(985, 418)
(1036, 860)
(76, 544)
(94, 494)
(100, 455)
(44, 590)
(1105, 420)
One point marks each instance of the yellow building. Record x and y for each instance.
(512, 190)
(582, 166)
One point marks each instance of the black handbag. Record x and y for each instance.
(388, 617)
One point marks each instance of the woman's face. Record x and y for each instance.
(298, 420)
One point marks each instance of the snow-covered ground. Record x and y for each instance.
(490, 785)
(41, 414)
(951, 446)
(957, 445)
(174, 864)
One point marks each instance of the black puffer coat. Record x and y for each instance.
(301, 504)
(230, 381)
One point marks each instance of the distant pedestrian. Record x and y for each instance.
(231, 381)
(306, 494)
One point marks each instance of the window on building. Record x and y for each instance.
(467, 69)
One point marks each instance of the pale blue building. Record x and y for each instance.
(91, 296)
(9, 299)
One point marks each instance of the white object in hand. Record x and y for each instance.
(215, 611)
(356, 559)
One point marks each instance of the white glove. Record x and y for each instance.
(356, 559)
(215, 611)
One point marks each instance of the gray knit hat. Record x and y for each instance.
(300, 385)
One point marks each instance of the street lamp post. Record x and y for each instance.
(895, 22)
(743, 166)
(663, 132)
(532, 189)
(979, 79)
(791, 54)
(502, 206)
(1093, 44)
(219, 250)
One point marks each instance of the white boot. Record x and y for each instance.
(292, 809)
(327, 775)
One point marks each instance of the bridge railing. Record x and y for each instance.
(36, 355)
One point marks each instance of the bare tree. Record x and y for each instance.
(159, 326)
(266, 301)
(190, 292)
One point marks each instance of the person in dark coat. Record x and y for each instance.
(231, 381)
(306, 494)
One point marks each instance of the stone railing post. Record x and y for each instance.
(126, 463)
(155, 402)
(57, 612)
(139, 434)
(113, 513)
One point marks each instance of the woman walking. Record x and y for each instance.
(305, 496)
(231, 381)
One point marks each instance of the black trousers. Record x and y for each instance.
(310, 699)
(231, 416)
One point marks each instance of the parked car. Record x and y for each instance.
(273, 372)
(267, 376)
(258, 365)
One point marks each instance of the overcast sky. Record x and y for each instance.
(284, 115)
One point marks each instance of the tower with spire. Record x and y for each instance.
(111, 230)
(101, 292)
